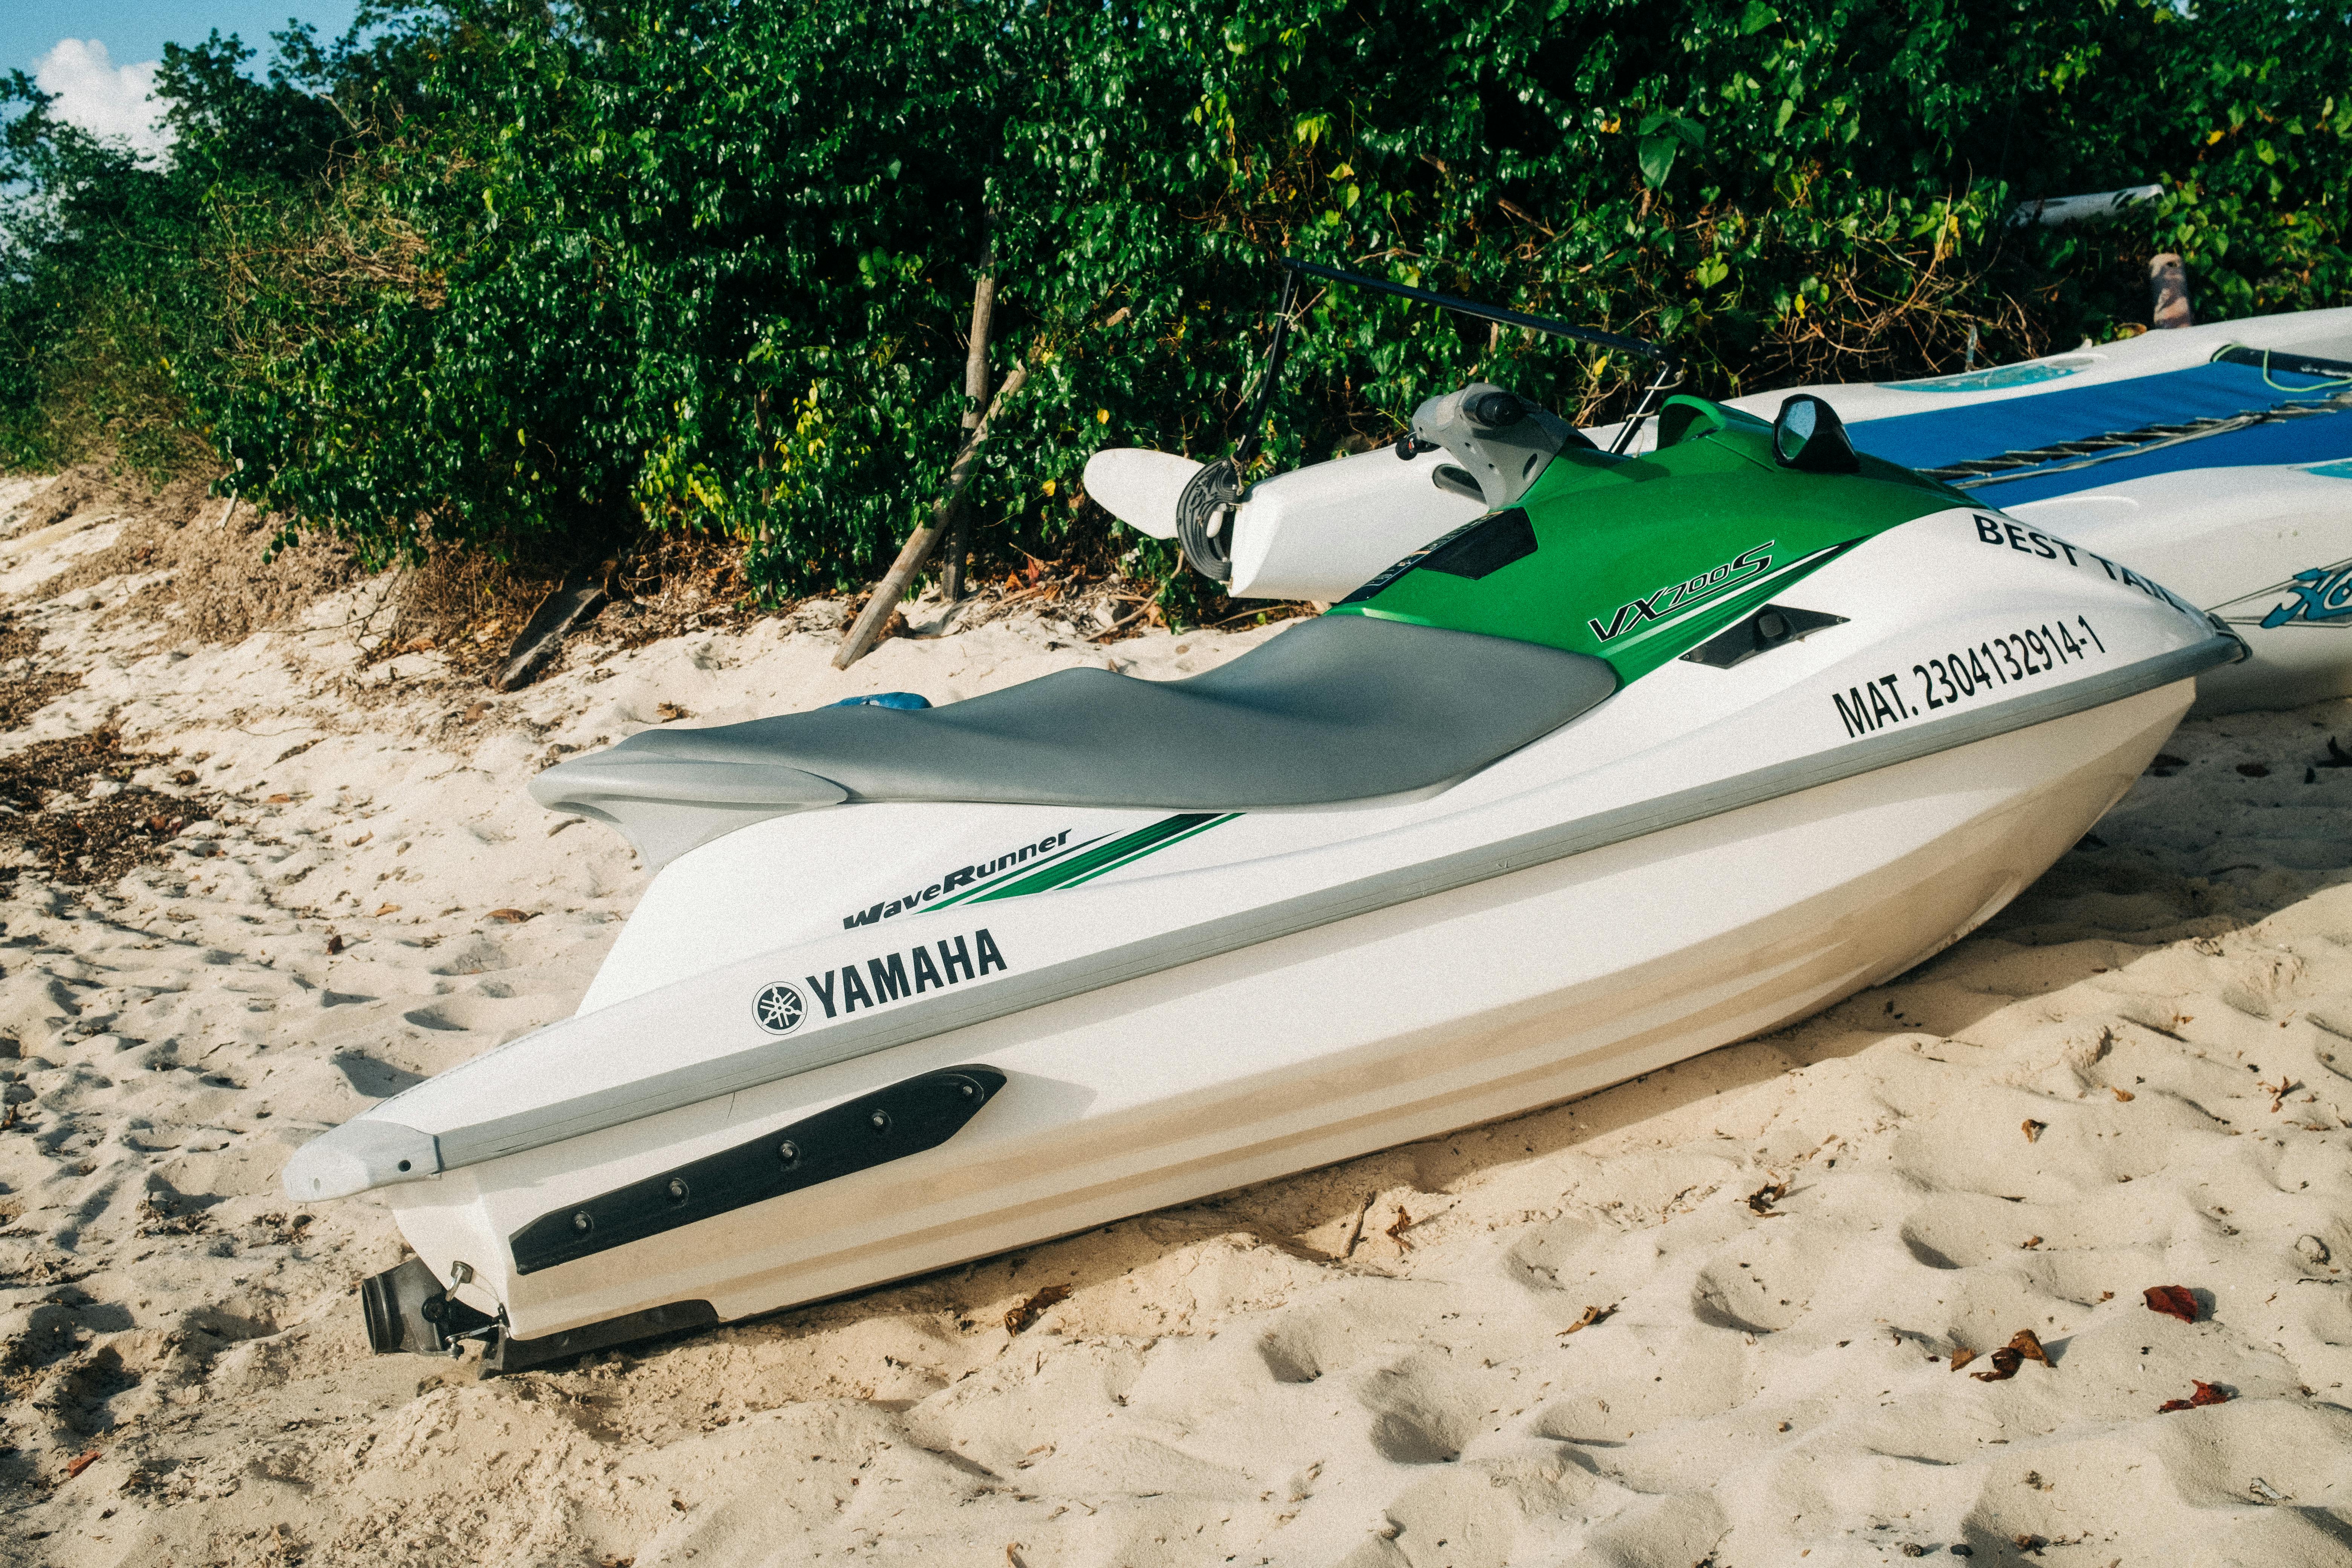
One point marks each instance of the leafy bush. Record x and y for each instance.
(516, 276)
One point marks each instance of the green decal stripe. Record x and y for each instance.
(1199, 827)
(1104, 857)
(1032, 869)
(1688, 621)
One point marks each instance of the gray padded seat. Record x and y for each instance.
(1338, 708)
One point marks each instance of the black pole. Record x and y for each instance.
(1641, 346)
(1669, 363)
(1252, 431)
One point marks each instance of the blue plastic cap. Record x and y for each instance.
(885, 700)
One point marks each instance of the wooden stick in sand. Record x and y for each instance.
(871, 619)
(975, 392)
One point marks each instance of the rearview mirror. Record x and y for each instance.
(1809, 436)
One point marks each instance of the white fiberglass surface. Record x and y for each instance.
(1443, 955)
(1140, 487)
(809, 875)
(2211, 534)
(1323, 531)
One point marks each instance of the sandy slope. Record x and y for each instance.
(1369, 1364)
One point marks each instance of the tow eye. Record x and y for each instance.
(409, 1310)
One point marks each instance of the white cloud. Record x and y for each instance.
(102, 97)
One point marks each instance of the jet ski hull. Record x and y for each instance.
(1708, 855)
(1404, 1023)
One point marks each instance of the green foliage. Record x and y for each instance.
(521, 276)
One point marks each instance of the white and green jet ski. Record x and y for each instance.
(1645, 755)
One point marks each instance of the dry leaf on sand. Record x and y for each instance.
(1025, 1313)
(2005, 1363)
(513, 916)
(2203, 1394)
(671, 713)
(2120, 1093)
(2033, 1128)
(1961, 1357)
(1592, 1316)
(2025, 1344)
(76, 1466)
(1762, 1199)
(384, 910)
(2172, 1301)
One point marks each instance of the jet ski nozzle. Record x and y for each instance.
(408, 1308)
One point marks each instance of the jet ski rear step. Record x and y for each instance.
(907, 1117)
(407, 1309)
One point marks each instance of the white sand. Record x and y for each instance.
(1363, 1365)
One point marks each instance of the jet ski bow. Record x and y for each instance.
(2216, 458)
(1629, 757)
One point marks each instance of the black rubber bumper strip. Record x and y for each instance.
(906, 1118)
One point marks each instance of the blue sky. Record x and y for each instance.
(134, 31)
(98, 57)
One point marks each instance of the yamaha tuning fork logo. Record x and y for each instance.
(779, 1008)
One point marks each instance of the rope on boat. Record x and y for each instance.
(1978, 472)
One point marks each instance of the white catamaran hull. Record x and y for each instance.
(2266, 548)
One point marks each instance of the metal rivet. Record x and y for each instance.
(880, 1121)
(969, 1089)
(678, 1189)
(789, 1152)
(583, 1221)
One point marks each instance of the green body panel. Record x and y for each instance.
(1638, 560)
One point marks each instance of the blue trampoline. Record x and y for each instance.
(2215, 390)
